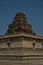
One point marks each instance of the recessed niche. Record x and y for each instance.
(8, 45)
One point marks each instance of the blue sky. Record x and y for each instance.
(33, 9)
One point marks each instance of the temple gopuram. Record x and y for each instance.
(20, 45)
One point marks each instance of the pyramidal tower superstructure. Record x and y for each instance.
(20, 45)
(20, 25)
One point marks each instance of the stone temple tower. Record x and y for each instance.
(20, 25)
(20, 45)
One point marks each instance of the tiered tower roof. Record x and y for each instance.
(20, 25)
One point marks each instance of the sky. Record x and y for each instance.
(33, 9)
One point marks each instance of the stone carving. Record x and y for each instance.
(19, 25)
